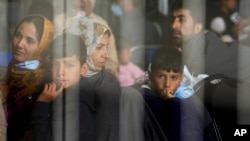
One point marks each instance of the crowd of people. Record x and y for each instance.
(71, 76)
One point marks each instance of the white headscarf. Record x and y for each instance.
(93, 3)
(91, 30)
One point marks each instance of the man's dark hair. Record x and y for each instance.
(196, 8)
(167, 58)
(67, 45)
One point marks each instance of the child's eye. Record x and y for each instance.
(54, 64)
(69, 65)
(174, 77)
(161, 76)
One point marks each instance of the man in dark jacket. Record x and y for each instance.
(203, 51)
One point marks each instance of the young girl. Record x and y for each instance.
(128, 71)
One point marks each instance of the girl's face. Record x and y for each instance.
(124, 56)
(100, 55)
(25, 42)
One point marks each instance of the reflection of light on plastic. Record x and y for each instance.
(235, 17)
(116, 9)
(218, 25)
(163, 6)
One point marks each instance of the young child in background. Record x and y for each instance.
(128, 71)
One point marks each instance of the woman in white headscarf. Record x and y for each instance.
(84, 9)
(104, 85)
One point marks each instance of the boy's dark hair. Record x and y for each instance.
(196, 8)
(167, 58)
(67, 45)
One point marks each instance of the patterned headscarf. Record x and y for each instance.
(22, 82)
(91, 30)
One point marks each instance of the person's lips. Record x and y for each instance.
(176, 33)
(102, 63)
(59, 83)
(62, 81)
(18, 52)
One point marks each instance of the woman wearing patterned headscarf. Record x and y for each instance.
(84, 9)
(102, 83)
(26, 73)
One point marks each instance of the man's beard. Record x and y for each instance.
(177, 42)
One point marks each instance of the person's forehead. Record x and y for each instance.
(167, 72)
(26, 25)
(181, 11)
(71, 58)
(29, 29)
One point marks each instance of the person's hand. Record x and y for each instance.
(166, 94)
(49, 92)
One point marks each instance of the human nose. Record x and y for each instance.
(105, 52)
(175, 23)
(61, 70)
(167, 83)
(21, 43)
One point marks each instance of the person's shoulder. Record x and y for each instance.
(85, 83)
(108, 77)
(149, 95)
(146, 91)
(209, 33)
(130, 95)
(212, 36)
(108, 85)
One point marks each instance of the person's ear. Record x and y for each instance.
(84, 69)
(197, 28)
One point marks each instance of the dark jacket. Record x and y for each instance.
(107, 101)
(19, 109)
(178, 118)
(96, 119)
(71, 116)
(206, 53)
(137, 122)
